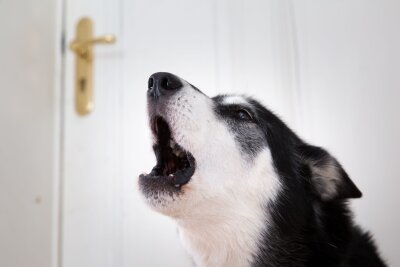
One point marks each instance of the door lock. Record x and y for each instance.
(82, 46)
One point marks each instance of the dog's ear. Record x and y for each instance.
(329, 180)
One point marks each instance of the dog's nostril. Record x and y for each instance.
(161, 83)
(165, 83)
(151, 83)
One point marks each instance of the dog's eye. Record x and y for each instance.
(244, 115)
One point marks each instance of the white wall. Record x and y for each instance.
(28, 132)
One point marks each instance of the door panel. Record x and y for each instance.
(91, 150)
(105, 223)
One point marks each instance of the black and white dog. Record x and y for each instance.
(243, 188)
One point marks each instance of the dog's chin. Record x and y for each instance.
(170, 204)
(160, 195)
(166, 184)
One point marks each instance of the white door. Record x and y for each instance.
(276, 50)
(104, 221)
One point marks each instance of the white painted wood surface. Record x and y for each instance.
(30, 43)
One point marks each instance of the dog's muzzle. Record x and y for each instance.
(175, 166)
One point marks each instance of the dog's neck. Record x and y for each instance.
(227, 229)
(224, 233)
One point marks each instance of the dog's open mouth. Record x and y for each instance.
(174, 164)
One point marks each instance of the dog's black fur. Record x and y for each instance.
(307, 222)
(307, 227)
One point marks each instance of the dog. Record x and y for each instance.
(243, 188)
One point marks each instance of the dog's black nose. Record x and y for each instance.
(162, 83)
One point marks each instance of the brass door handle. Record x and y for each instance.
(82, 46)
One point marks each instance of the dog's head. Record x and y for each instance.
(228, 149)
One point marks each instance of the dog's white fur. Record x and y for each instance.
(223, 230)
(220, 214)
(234, 99)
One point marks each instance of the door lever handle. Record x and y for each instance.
(82, 46)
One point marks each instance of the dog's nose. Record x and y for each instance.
(162, 83)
